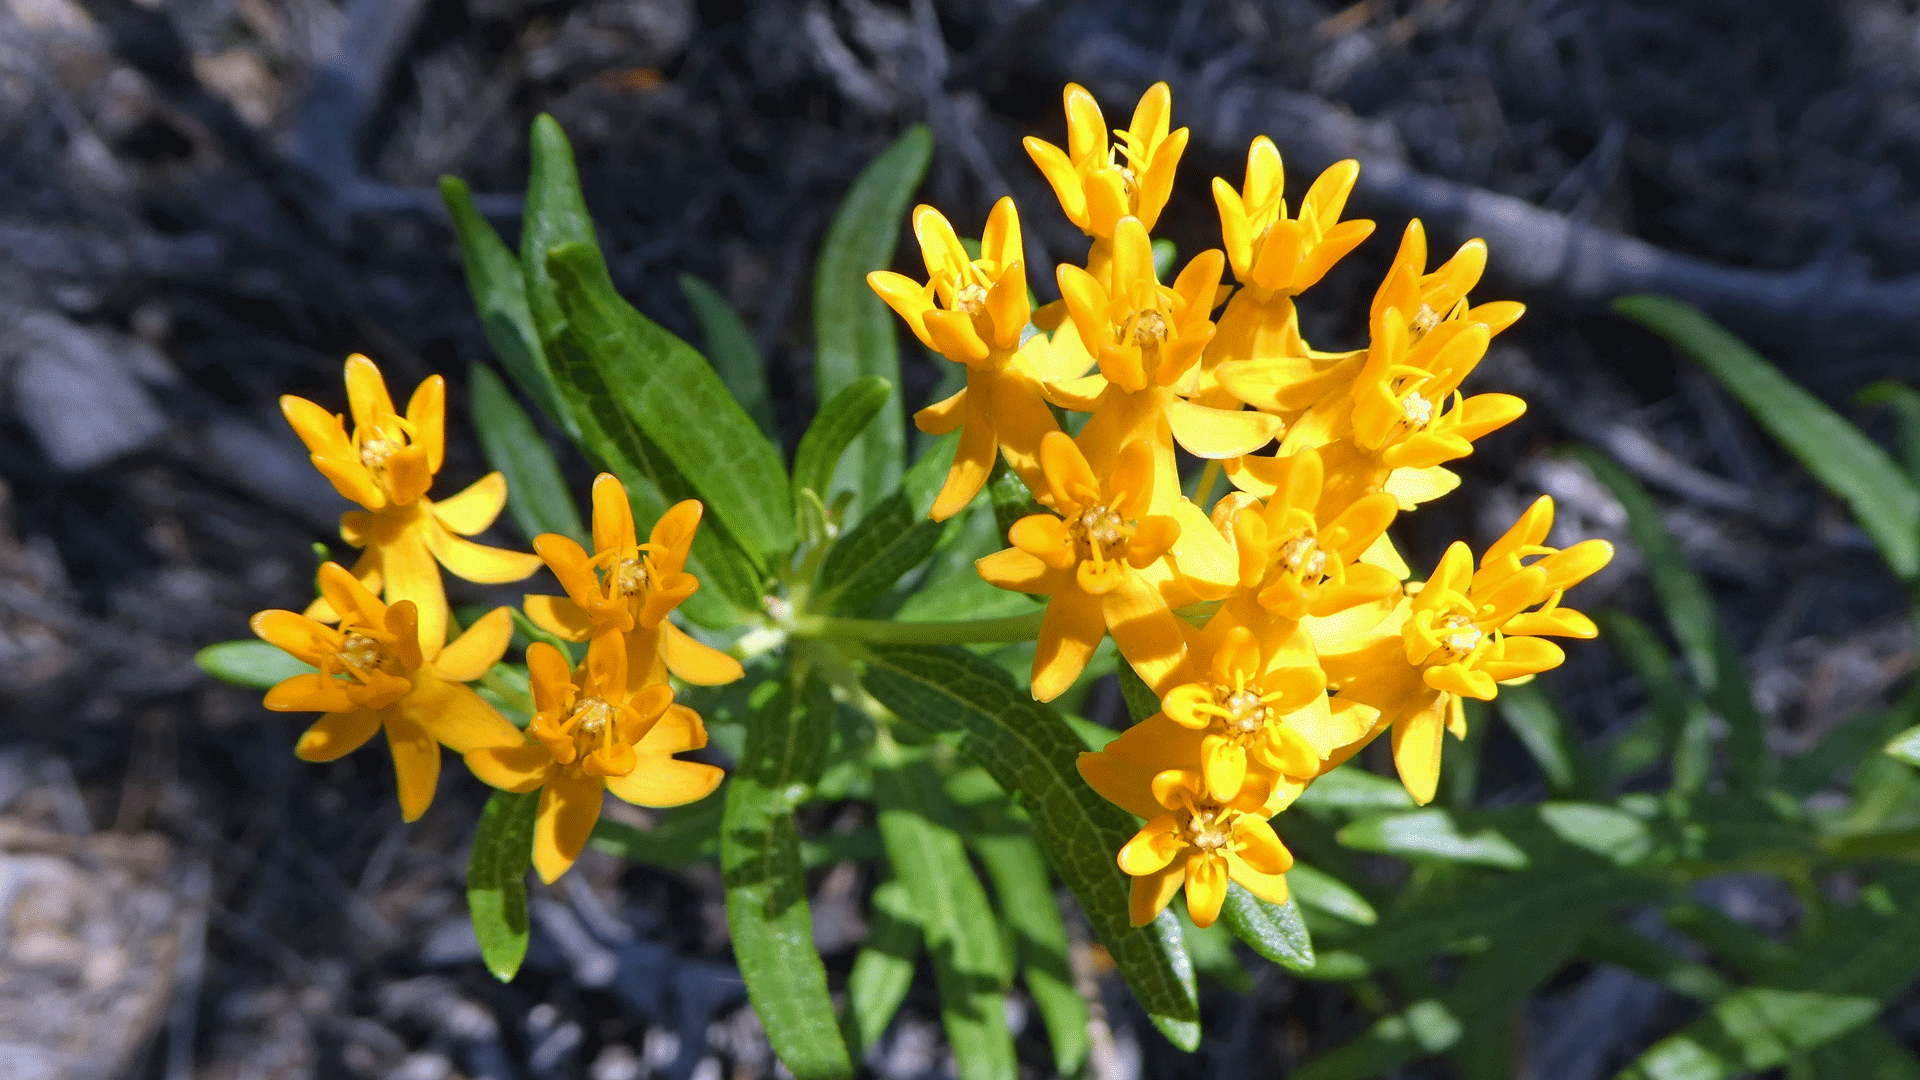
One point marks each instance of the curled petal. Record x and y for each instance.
(551, 676)
(1153, 847)
(1462, 680)
(1206, 888)
(337, 734)
(1184, 706)
(1154, 537)
(302, 638)
(474, 509)
(558, 616)
(1046, 538)
(1260, 847)
(1224, 764)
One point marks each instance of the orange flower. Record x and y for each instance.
(973, 312)
(1293, 566)
(1095, 191)
(594, 733)
(378, 671)
(386, 466)
(1463, 633)
(1202, 842)
(628, 588)
(1093, 562)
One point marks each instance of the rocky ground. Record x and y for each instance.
(207, 203)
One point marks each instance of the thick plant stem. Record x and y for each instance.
(975, 631)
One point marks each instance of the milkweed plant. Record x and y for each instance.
(919, 631)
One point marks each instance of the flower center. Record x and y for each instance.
(629, 576)
(1246, 713)
(972, 299)
(1303, 557)
(1210, 828)
(1098, 529)
(375, 451)
(1459, 635)
(1147, 329)
(362, 653)
(1424, 320)
(593, 716)
(1415, 410)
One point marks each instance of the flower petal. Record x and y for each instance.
(1416, 750)
(471, 654)
(367, 392)
(569, 807)
(558, 616)
(452, 713)
(663, 782)
(311, 692)
(942, 416)
(1046, 538)
(416, 763)
(475, 562)
(337, 734)
(1017, 571)
(551, 677)
(1260, 846)
(1153, 847)
(518, 769)
(1206, 888)
(1151, 894)
(1069, 632)
(427, 412)
(411, 574)
(972, 460)
(697, 663)
(474, 509)
(307, 640)
(1146, 632)
(1220, 433)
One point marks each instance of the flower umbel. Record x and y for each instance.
(386, 465)
(376, 671)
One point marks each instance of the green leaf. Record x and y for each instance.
(969, 962)
(1211, 950)
(766, 885)
(1030, 751)
(854, 331)
(1353, 789)
(887, 543)
(1432, 834)
(731, 348)
(1616, 836)
(532, 632)
(1164, 255)
(1883, 499)
(1323, 892)
(1141, 701)
(1752, 1030)
(497, 879)
(998, 833)
(1905, 746)
(1011, 498)
(1715, 663)
(883, 969)
(679, 837)
(665, 387)
(537, 496)
(1672, 710)
(1613, 943)
(556, 215)
(1905, 401)
(253, 664)
(1531, 715)
(499, 290)
(833, 430)
(1275, 931)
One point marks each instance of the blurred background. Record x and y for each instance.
(207, 203)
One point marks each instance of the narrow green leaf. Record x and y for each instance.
(499, 290)
(1905, 746)
(1752, 1030)
(969, 962)
(1531, 716)
(1613, 943)
(731, 348)
(883, 969)
(497, 880)
(1275, 931)
(1030, 751)
(854, 332)
(1352, 789)
(253, 664)
(833, 430)
(663, 385)
(1616, 836)
(1141, 701)
(1883, 499)
(998, 833)
(1669, 704)
(1432, 834)
(1715, 662)
(766, 885)
(1905, 401)
(556, 215)
(1322, 891)
(537, 497)
(864, 563)
(1867, 1053)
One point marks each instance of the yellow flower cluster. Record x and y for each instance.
(1302, 638)
(609, 724)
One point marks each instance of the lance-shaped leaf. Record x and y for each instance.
(870, 557)
(253, 664)
(766, 884)
(537, 496)
(969, 961)
(1883, 499)
(998, 833)
(855, 335)
(673, 395)
(883, 969)
(834, 428)
(1030, 752)
(497, 880)
(1275, 931)
(731, 349)
(499, 290)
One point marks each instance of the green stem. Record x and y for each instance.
(881, 631)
